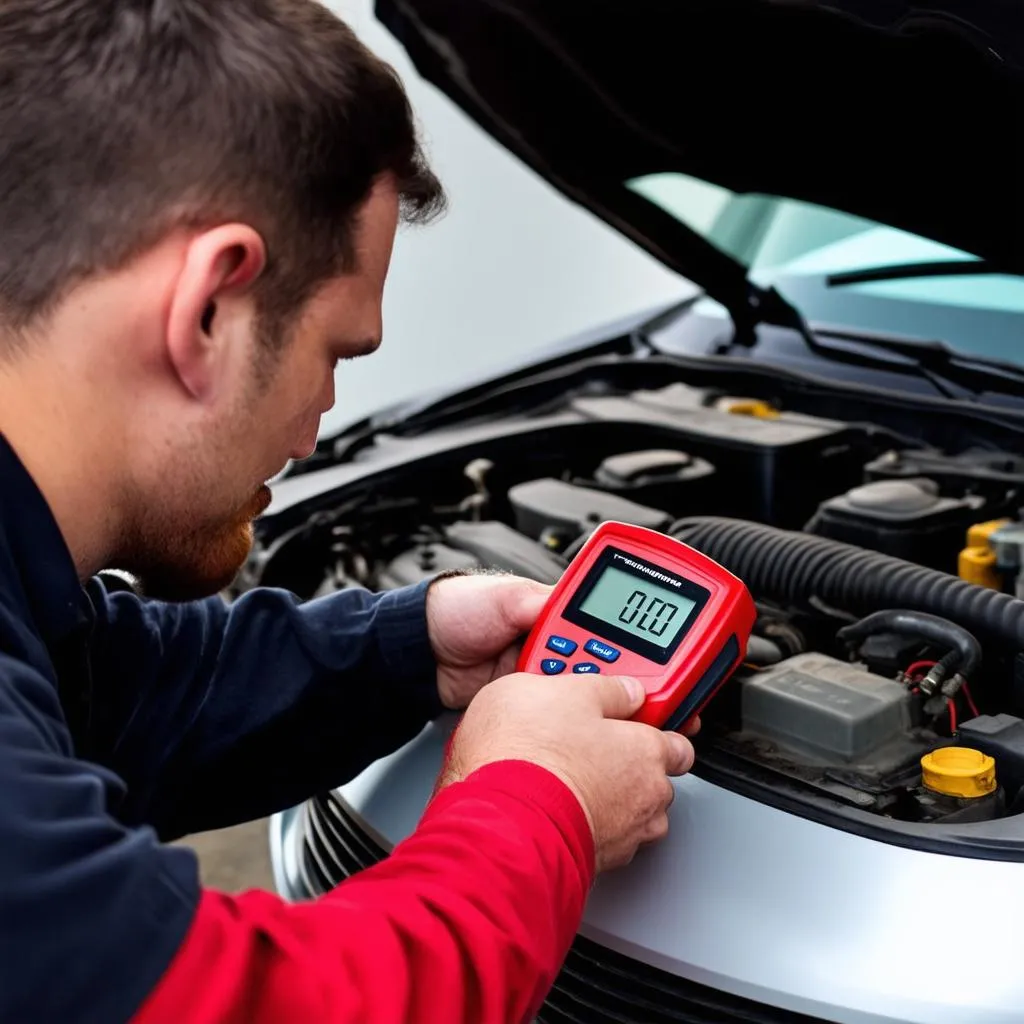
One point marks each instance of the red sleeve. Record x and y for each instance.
(468, 920)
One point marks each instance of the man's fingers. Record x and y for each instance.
(619, 696)
(657, 829)
(670, 794)
(678, 754)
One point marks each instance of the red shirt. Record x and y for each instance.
(469, 919)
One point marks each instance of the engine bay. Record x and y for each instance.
(886, 572)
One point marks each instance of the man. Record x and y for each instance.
(198, 203)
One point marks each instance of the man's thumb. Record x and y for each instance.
(620, 696)
(524, 600)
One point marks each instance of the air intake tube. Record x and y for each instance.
(792, 567)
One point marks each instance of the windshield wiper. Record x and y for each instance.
(938, 357)
(935, 361)
(899, 271)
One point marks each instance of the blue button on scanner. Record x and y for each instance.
(552, 666)
(562, 645)
(602, 651)
(586, 667)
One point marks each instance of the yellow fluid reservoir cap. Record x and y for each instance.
(978, 565)
(750, 407)
(959, 771)
(979, 535)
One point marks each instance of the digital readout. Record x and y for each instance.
(646, 610)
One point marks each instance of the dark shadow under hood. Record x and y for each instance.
(902, 113)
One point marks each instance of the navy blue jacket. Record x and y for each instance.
(125, 722)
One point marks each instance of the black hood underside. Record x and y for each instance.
(907, 114)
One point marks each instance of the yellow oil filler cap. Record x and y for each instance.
(959, 771)
(977, 561)
(749, 407)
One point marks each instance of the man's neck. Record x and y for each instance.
(61, 445)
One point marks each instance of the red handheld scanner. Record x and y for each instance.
(639, 603)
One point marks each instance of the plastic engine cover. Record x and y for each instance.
(909, 519)
(818, 706)
(423, 562)
(549, 504)
(497, 546)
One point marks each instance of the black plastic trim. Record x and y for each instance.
(720, 769)
(601, 986)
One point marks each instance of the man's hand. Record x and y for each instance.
(573, 726)
(474, 622)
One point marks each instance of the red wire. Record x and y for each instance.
(918, 666)
(970, 701)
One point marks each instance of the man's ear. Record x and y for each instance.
(220, 265)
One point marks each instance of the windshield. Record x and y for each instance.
(796, 246)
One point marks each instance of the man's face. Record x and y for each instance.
(192, 540)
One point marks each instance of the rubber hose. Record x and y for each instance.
(762, 651)
(922, 624)
(945, 665)
(788, 566)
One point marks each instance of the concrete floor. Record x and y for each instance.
(234, 859)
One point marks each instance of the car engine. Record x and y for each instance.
(886, 571)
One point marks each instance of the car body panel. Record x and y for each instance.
(761, 903)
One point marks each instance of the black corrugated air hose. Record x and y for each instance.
(787, 566)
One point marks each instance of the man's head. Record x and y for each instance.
(199, 202)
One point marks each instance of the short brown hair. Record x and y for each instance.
(121, 120)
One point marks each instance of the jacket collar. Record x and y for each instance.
(34, 557)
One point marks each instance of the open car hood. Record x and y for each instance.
(903, 113)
